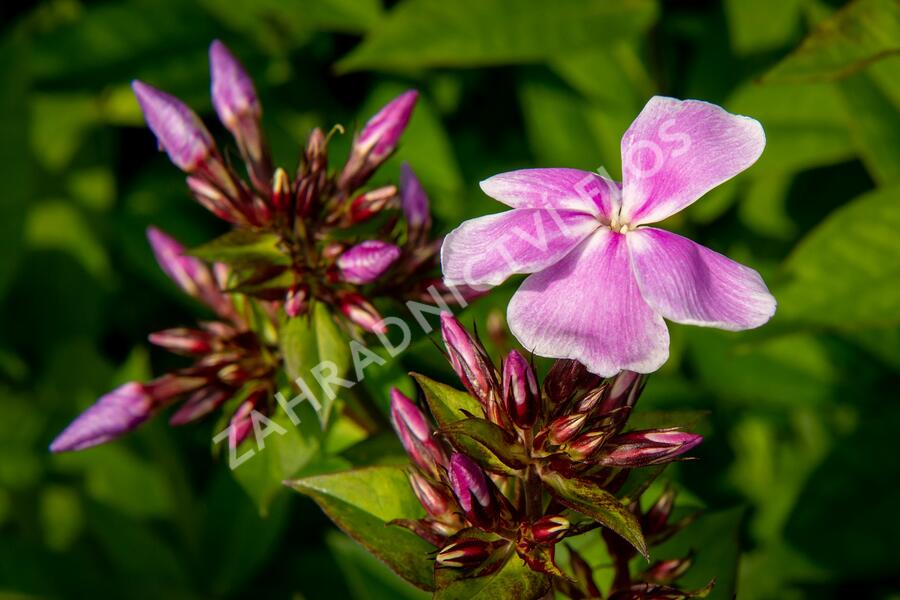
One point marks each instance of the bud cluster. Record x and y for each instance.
(510, 477)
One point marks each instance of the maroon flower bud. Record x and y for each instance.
(295, 302)
(361, 312)
(470, 360)
(658, 515)
(586, 444)
(565, 378)
(464, 553)
(472, 491)
(281, 191)
(415, 433)
(213, 199)
(565, 428)
(179, 131)
(520, 390)
(367, 261)
(367, 205)
(237, 105)
(650, 447)
(667, 571)
(622, 394)
(241, 423)
(199, 404)
(414, 203)
(549, 529)
(182, 340)
(113, 415)
(430, 496)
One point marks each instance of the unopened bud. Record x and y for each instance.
(658, 515)
(667, 571)
(650, 447)
(565, 428)
(472, 491)
(199, 404)
(113, 415)
(550, 529)
(182, 340)
(367, 205)
(414, 203)
(465, 553)
(367, 261)
(281, 191)
(469, 359)
(241, 423)
(520, 390)
(565, 378)
(586, 444)
(430, 496)
(295, 302)
(361, 312)
(622, 394)
(415, 433)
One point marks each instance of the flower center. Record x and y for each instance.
(620, 226)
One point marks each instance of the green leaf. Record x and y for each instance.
(862, 32)
(845, 272)
(492, 437)
(759, 25)
(447, 403)
(362, 502)
(514, 581)
(309, 342)
(587, 498)
(429, 33)
(874, 123)
(243, 246)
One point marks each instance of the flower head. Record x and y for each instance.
(602, 279)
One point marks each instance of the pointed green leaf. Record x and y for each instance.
(362, 502)
(242, 246)
(515, 581)
(492, 437)
(587, 498)
(447, 403)
(857, 35)
(874, 123)
(426, 33)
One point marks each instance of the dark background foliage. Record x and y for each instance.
(800, 461)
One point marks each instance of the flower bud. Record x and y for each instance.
(199, 404)
(586, 444)
(622, 394)
(565, 428)
(241, 423)
(465, 553)
(520, 390)
(182, 340)
(113, 415)
(179, 131)
(415, 433)
(667, 571)
(549, 529)
(656, 518)
(430, 496)
(295, 300)
(281, 191)
(472, 491)
(649, 447)
(367, 261)
(565, 378)
(361, 312)
(414, 203)
(377, 140)
(237, 105)
(190, 273)
(469, 359)
(367, 205)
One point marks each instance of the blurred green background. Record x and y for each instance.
(802, 446)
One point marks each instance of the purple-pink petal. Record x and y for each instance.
(413, 199)
(588, 308)
(691, 284)
(179, 131)
(367, 261)
(113, 415)
(233, 93)
(567, 189)
(677, 150)
(489, 249)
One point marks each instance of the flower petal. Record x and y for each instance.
(588, 308)
(677, 150)
(489, 249)
(367, 261)
(688, 283)
(113, 415)
(569, 189)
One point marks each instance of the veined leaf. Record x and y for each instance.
(514, 581)
(587, 498)
(362, 502)
(429, 33)
(492, 437)
(862, 32)
(874, 123)
(447, 403)
(242, 246)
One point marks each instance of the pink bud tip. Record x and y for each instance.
(233, 93)
(413, 200)
(367, 261)
(469, 483)
(520, 390)
(113, 415)
(382, 132)
(180, 132)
